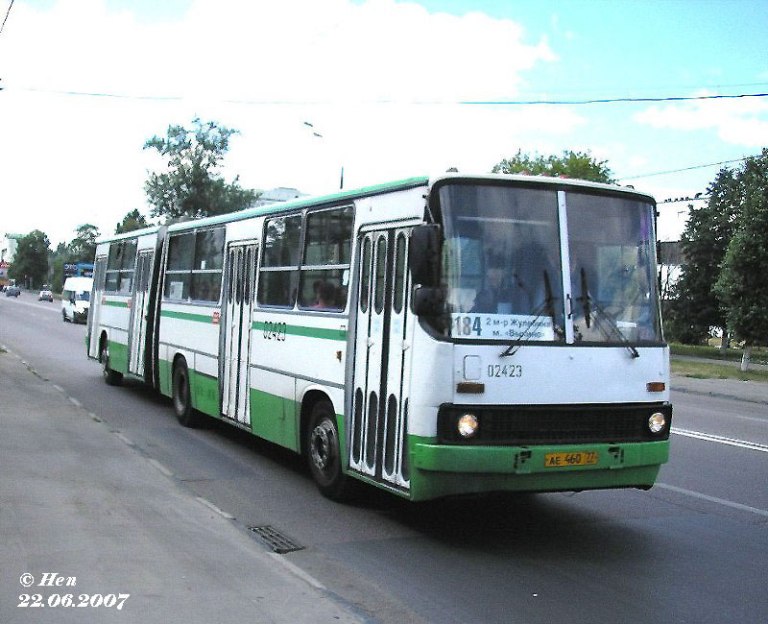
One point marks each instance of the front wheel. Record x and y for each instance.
(182, 396)
(324, 454)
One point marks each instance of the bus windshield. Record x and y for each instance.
(504, 265)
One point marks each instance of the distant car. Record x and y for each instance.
(45, 295)
(76, 299)
(12, 291)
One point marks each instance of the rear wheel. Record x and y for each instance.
(182, 396)
(112, 377)
(324, 454)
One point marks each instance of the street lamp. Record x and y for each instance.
(315, 133)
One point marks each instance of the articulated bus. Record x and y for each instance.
(431, 337)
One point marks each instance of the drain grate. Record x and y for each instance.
(278, 542)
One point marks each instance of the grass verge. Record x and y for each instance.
(704, 370)
(759, 354)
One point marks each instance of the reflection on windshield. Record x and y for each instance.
(502, 264)
(503, 269)
(612, 269)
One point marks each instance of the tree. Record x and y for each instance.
(56, 260)
(695, 306)
(192, 187)
(133, 220)
(580, 165)
(30, 262)
(743, 281)
(82, 248)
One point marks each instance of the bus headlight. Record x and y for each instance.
(467, 425)
(657, 422)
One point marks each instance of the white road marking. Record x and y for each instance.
(713, 499)
(708, 437)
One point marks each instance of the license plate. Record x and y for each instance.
(563, 460)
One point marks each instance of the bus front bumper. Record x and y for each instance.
(523, 460)
(444, 470)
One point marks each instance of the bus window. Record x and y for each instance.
(278, 277)
(120, 267)
(325, 270)
(206, 272)
(195, 262)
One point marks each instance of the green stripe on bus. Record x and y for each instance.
(188, 316)
(307, 332)
(116, 304)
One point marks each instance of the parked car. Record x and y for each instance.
(12, 291)
(45, 295)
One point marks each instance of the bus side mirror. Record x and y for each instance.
(424, 255)
(428, 301)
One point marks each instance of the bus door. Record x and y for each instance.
(234, 366)
(94, 312)
(378, 444)
(137, 330)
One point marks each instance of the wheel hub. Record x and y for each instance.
(321, 445)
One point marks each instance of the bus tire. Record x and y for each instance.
(112, 377)
(324, 453)
(182, 396)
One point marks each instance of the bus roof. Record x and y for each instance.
(132, 234)
(378, 189)
(303, 202)
(546, 181)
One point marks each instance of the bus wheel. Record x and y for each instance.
(182, 397)
(324, 453)
(112, 377)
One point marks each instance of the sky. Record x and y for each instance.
(394, 88)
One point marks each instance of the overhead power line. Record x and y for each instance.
(722, 162)
(563, 102)
(5, 19)
(611, 100)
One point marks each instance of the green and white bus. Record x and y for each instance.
(431, 336)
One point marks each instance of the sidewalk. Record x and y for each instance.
(80, 506)
(751, 391)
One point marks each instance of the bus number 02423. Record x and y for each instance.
(505, 370)
(275, 331)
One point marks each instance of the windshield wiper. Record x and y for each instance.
(547, 306)
(585, 299)
(602, 318)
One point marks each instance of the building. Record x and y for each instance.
(8, 245)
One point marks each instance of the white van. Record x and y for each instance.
(76, 299)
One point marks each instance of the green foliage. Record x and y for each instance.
(192, 187)
(695, 307)
(82, 248)
(579, 165)
(743, 282)
(56, 261)
(133, 220)
(30, 263)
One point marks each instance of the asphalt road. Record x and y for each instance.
(693, 549)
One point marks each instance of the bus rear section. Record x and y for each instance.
(122, 320)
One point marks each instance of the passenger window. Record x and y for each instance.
(194, 266)
(327, 250)
(278, 276)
